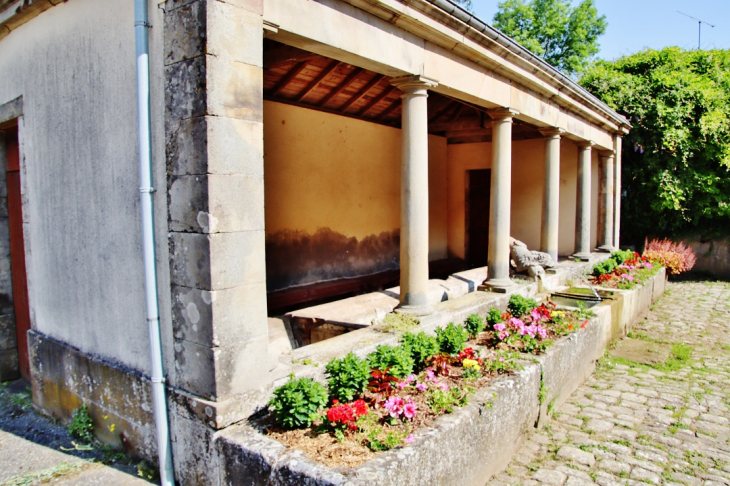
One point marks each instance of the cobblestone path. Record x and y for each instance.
(666, 423)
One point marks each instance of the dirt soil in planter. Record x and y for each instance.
(323, 447)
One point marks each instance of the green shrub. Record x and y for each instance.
(81, 426)
(494, 316)
(519, 306)
(347, 377)
(604, 267)
(620, 256)
(396, 359)
(421, 346)
(451, 339)
(474, 325)
(296, 403)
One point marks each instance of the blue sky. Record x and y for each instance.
(636, 24)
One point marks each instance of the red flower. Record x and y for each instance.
(585, 323)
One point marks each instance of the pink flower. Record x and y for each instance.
(648, 265)
(411, 379)
(503, 335)
(429, 374)
(410, 438)
(402, 384)
(516, 323)
(542, 332)
(500, 326)
(394, 406)
(421, 387)
(501, 360)
(627, 276)
(443, 387)
(409, 411)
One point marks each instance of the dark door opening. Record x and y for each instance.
(17, 252)
(478, 186)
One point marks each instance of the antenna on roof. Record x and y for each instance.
(699, 27)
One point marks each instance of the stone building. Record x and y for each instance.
(301, 150)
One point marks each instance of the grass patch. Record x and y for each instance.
(46, 475)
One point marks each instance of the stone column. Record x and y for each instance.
(551, 194)
(500, 200)
(605, 202)
(414, 195)
(617, 191)
(583, 203)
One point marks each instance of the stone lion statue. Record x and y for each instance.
(524, 259)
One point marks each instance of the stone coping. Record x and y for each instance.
(473, 443)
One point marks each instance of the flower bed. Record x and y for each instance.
(377, 403)
(624, 269)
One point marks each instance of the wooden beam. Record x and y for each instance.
(358, 96)
(442, 112)
(376, 100)
(284, 54)
(388, 110)
(343, 85)
(316, 81)
(298, 68)
(466, 124)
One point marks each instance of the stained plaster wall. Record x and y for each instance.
(74, 66)
(528, 166)
(332, 186)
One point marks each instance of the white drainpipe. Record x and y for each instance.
(159, 403)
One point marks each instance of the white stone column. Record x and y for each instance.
(617, 191)
(551, 194)
(583, 203)
(606, 202)
(414, 195)
(500, 200)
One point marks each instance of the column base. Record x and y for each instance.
(499, 285)
(584, 257)
(414, 310)
(606, 248)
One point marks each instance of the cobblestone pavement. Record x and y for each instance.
(667, 423)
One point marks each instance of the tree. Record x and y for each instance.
(676, 159)
(565, 36)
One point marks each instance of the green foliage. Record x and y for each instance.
(620, 256)
(399, 322)
(519, 306)
(347, 377)
(474, 325)
(81, 426)
(296, 403)
(604, 267)
(494, 316)
(452, 338)
(421, 346)
(396, 359)
(677, 156)
(565, 36)
(444, 401)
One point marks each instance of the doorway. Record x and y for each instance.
(17, 251)
(478, 187)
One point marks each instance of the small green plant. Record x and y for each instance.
(519, 306)
(471, 373)
(620, 256)
(82, 426)
(146, 471)
(295, 404)
(452, 338)
(397, 360)
(474, 325)
(421, 346)
(494, 316)
(604, 267)
(347, 377)
(444, 401)
(543, 394)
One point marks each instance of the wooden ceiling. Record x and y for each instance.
(302, 78)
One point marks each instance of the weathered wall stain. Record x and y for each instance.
(295, 257)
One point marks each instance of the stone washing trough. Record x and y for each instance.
(468, 446)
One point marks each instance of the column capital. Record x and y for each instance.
(585, 144)
(497, 114)
(413, 84)
(605, 154)
(551, 132)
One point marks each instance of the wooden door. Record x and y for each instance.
(17, 254)
(478, 187)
